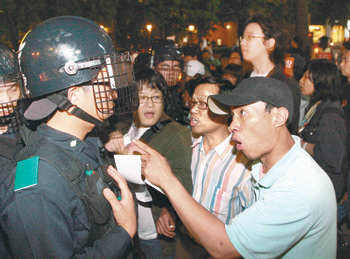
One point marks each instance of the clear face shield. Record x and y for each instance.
(10, 93)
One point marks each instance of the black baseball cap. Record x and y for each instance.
(252, 90)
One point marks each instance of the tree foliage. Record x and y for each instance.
(168, 17)
(19, 16)
(127, 19)
(332, 12)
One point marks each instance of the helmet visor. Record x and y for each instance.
(114, 87)
(10, 117)
(171, 76)
(10, 93)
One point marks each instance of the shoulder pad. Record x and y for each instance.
(26, 173)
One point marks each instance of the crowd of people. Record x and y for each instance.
(245, 155)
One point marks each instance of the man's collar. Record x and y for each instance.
(278, 169)
(61, 139)
(222, 149)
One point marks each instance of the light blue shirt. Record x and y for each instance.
(295, 212)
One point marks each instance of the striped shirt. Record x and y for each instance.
(221, 179)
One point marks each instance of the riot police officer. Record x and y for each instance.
(167, 59)
(11, 91)
(54, 203)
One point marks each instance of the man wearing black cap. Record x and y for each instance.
(295, 212)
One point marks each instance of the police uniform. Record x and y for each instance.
(44, 218)
(9, 145)
(52, 205)
(10, 108)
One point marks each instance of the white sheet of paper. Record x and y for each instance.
(130, 167)
(154, 186)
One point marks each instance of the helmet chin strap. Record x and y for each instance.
(64, 104)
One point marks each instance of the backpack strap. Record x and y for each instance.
(312, 127)
(154, 130)
(36, 145)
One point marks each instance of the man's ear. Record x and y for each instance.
(72, 94)
(281, 116)
(270, 44)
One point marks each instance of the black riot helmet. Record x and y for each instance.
(70, 51)
(11, 91)
(166, 50)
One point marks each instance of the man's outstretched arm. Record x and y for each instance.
(206, 228)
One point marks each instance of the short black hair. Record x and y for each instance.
(234, 69)
(346, 45)
(191, 51)
(152, 79)
(224, 85)
(298, 40)
(323, 42)
(191, 84)
(142, 61)
(236, 49)
(326, 79)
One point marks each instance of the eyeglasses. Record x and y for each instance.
(155, 99)
(200, 104)
(249, 37)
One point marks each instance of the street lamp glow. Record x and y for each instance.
(149, 27)
(104, 28)
(228, 26)
(219, 42)
(191, 28)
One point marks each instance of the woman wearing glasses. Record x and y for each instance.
(157, 224)
(262, 44)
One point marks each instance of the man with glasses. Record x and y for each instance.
(295, 213)
(262, 44)
(56, 202)
(167, 59)
(220, 173)
(158, 228)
